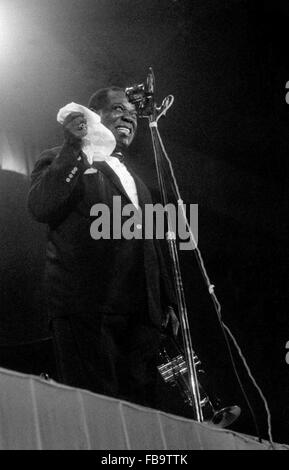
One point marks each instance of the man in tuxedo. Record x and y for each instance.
(107, 299)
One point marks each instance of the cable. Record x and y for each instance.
(252, 379)
(215, 301)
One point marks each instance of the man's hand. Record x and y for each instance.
(171, 318)
(75, 128)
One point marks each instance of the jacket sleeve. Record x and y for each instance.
(168, 293)
(53, 181)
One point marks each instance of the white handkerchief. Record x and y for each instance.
(90, 171)
(99, 142)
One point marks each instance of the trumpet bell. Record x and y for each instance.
(174, 371)
(225, 417)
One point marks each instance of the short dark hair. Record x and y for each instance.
(99, 99)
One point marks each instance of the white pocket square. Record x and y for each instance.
(90, 171)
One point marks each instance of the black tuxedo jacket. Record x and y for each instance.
(84, 275)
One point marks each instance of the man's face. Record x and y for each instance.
(120, 117)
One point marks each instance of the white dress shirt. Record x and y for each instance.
(125, 178)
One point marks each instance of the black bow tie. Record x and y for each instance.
(118, 155)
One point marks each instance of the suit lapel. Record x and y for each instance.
(142, 192)
(108, 171)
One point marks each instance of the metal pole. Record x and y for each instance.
(183, 315)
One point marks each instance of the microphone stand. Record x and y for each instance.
(144, 95)
(153, 113)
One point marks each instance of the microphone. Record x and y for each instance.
(150, 82)
(141, 95)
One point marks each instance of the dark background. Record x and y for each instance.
(227, 63)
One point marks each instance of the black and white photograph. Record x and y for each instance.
(144, 307)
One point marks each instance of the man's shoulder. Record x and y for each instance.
(52, 152)
(45, 158)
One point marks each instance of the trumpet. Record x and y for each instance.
(173, 369)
